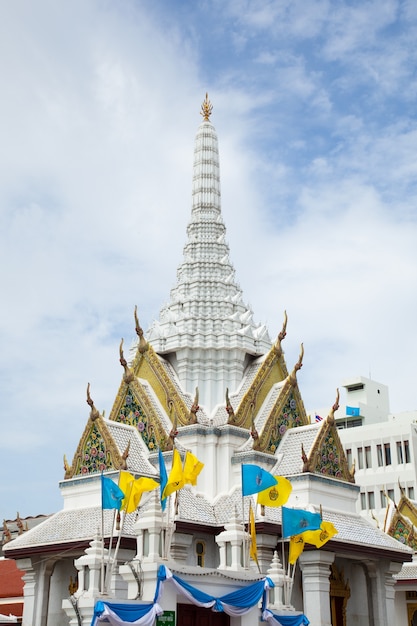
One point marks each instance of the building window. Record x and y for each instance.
(399, 452)
(363, 501)
(379, 455)
(411, 493)
(382, 499)
(368, 457)
(407, 452)
(360, 458)
(390, 493)
(349, 458)
(387, 452)
(200, 550)
(371, 500)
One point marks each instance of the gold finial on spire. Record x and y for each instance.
(206, 109)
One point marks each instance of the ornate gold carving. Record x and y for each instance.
(149, 367)
(128, 376)
(206, 109)
(281, 335)
(159, 435)
(7, 535)
(273, 370)
(94, 414)
(99, 446)
(297, 366)
(327, 456)
(143, 344)
(229, 409)
(194, 408)
(288, 412)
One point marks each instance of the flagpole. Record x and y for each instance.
(244, 532)
(112, 530)
(102, 538)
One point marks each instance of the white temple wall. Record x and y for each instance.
(59, 589)
(358, 605)
(401, 607)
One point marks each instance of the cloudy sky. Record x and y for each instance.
(315, 109)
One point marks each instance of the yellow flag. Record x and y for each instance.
(296, 547)
(138, 488)
(321, 536)
(192, 468)
(277, 495)
(176, 475)
(133, 489)
(253, 552)
(126, 480)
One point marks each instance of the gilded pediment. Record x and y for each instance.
(403, 530)
(407, 508)
(272, 371)
(148, 366)
(134, 408)
(326, 455)
(96, 451)
(288, 412)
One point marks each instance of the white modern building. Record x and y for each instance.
(381, 445)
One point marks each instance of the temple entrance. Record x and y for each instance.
(412, 614)
(190, 615)
(339, 595)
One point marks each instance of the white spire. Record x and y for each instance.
(206, 327)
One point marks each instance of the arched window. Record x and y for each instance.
(200, 551)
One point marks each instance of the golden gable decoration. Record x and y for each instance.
(288, 412)
(327, 456)
(97, 450)
(273, 370)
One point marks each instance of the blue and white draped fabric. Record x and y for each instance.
(122, 614)
(235, 603)
(285, 618)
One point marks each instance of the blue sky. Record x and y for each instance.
(314, 105)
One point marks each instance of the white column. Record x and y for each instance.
(315, 568)
(29, 579)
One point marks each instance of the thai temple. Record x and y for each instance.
(206, 382)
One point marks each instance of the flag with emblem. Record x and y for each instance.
(321, 536)
(296, 521)
(176, 475)
(278, 494)
(255, 479)
(111, 494)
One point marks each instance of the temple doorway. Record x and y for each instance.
(190, 615)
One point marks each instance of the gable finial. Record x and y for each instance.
(282, 334)
(206, 109)
(128, 375)
(330, 417)
(94, 414)
(143, 344)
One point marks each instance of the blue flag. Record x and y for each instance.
(163, 476)
(296, 521)
(111, 494)
(256, 479)
(352, 410)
